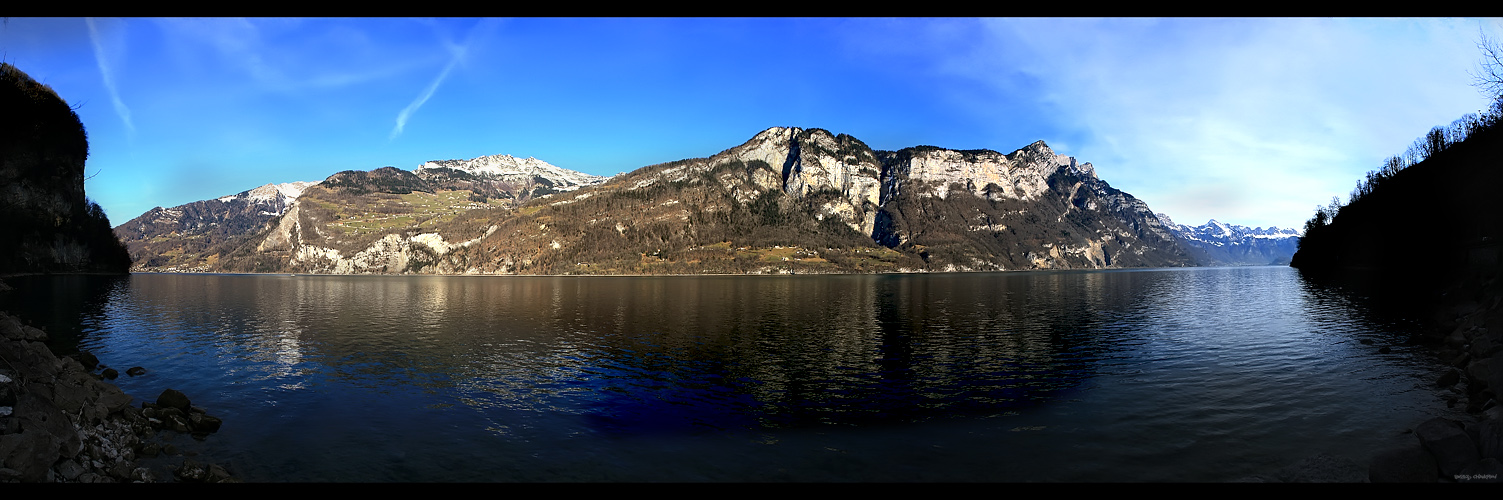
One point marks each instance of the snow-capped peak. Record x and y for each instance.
(1217, 232)
(269, 192)
(511, 166)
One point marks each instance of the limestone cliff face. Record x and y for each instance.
(994, 197)
(813, 160)
(954, 210)
(49, 225)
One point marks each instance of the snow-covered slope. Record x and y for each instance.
(511, 168)
(1219, 243)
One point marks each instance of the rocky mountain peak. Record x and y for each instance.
(271, 192)
(1038, 147)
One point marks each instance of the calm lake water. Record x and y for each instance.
(1201, 374)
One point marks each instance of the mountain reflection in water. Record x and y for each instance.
(1144, 375)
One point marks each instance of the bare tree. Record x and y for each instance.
(1490, 76)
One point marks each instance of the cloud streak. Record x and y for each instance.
(109, 78)
(423, 98)
(458, 57)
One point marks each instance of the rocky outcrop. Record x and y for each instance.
(60, 423)
(48, 223)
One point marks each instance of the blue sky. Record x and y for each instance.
(1248, 121)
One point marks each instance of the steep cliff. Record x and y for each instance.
(47, 223)
(789, 200)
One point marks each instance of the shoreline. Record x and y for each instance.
(1464, 331)
(60, 421)
(514, 275)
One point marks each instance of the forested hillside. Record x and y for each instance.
(1431, 213)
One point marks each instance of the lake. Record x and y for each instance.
(1197, 374)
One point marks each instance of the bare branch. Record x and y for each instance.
(1489, 78)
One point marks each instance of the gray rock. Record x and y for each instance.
(10, 425)
(1484, 347)
(88, 360)
(173, 398)
(1405, 464)
(69, 469)
(10, 327)
(1488, 371)
(114, 400)
(1447, 441)
(218, 474)
(191, 472)
(33, 334)
(1449, 379)
(121, 470)
(48, 435)
(208, 424)
(1490, 439)
(135, 371)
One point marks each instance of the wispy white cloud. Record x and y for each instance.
(423, 97)
(1245, 120)
(458, 52)
(109, 78)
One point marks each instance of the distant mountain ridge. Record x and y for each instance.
(192, 236)
(181, 238)
(789, 200)
(1218, 244)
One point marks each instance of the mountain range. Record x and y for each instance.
(789, 200)
(1217, 244)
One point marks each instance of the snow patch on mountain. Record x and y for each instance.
(269, 192)
(507, 166)
(1232, 244)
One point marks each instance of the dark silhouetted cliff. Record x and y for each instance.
(46, 223)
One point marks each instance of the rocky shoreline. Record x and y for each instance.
(1467, 332)
(61, 422)
(1468, 325)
